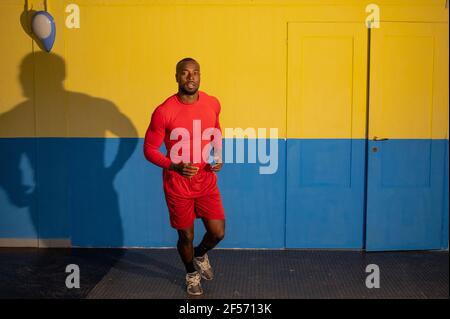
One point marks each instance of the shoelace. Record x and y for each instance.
(204, 265)
(193, 280)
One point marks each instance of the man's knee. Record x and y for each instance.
(185, 236)
(218, 235)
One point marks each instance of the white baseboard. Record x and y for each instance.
(36, 243)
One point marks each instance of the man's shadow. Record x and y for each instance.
(70, 175)
(64, 184)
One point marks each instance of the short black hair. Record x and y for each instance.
(182, 61)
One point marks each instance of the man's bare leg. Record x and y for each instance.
(186, 252)
(215, 232)
(185, 247)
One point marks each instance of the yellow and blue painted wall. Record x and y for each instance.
(362, 116)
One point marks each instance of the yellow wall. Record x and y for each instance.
(125, 53)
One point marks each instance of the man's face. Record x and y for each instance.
(188, 78)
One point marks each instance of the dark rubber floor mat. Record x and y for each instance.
(249, 274)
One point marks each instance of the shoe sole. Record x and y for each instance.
(195, 294)
(207, 279)
(199, 294)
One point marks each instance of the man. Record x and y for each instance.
(190, 187)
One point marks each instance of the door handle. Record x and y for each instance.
(377, 139)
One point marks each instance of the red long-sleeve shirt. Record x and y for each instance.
(172, 114)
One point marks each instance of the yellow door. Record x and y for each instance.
(326, 121)
(408, 131)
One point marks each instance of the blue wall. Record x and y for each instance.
(59, 188)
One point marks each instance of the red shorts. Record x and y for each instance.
(188, 198)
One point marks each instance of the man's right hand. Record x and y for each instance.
(184, 169)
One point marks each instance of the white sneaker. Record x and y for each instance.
(193, 284)
(204, 267)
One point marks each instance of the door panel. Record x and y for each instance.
(326, 129)
(408, 116)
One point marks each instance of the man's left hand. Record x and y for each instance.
(216, 167)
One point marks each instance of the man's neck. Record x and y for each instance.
(188, 99)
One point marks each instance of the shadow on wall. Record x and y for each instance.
(57, 181)
(63, 183)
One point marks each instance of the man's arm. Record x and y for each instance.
(217, 143)
(154, 137)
